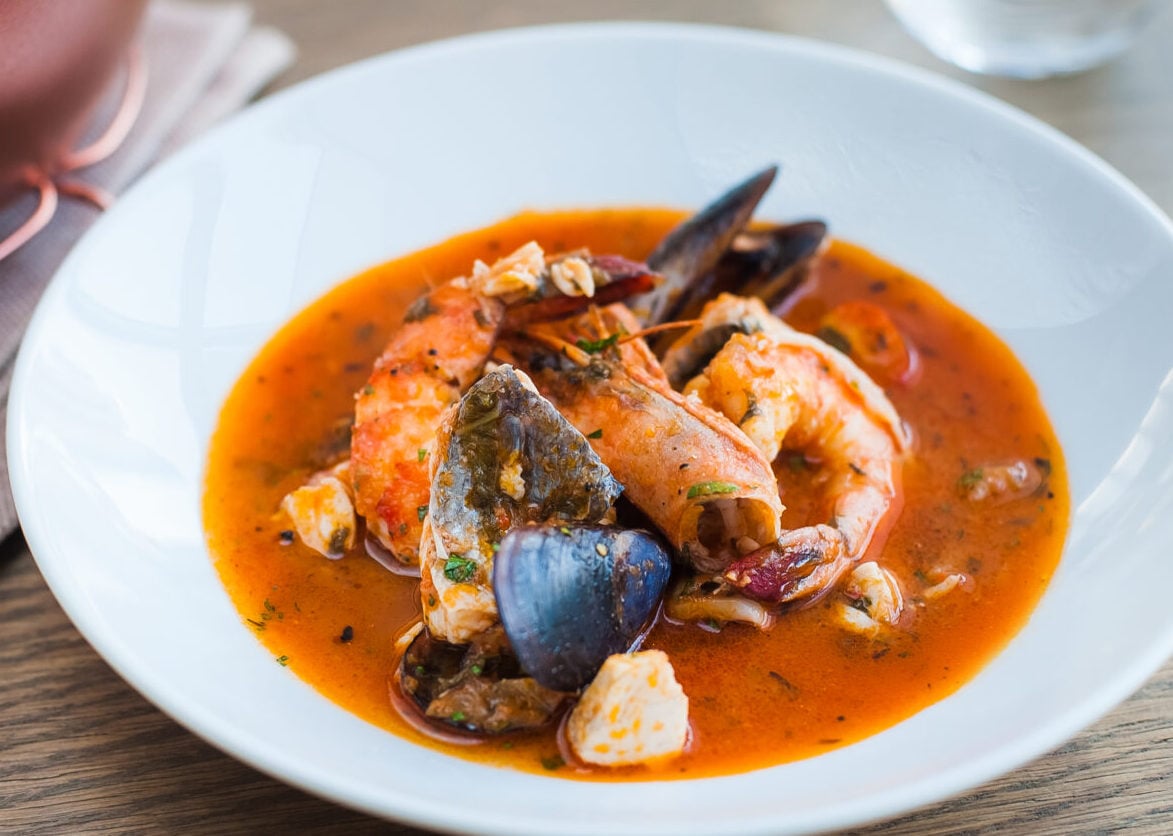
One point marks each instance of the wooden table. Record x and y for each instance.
(82, 752)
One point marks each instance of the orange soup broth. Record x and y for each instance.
(756, 698)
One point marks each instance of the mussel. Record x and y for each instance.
(477, 687)
(715, 251)
(570, 597)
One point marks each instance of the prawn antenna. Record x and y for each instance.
(569, 350)
(656, 329)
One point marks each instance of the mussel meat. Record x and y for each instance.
(477, 687)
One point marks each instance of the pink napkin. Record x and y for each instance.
(203, 62)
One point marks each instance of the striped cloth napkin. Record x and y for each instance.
(203, 62)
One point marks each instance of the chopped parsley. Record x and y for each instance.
(282, 660)
(457, 716)
(421, 512)
(834, 338)
(458, 568)
(595, 346)
(712, 489)
(596, 434)
(970, 478)
(553, 762)
(421, 454)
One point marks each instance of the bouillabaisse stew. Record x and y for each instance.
(925, 505)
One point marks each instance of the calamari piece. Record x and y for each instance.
(322, 512)
(714, 602)
(633, 712)
(697, 478)
(503, 457)
(871, 600)
(949, 583)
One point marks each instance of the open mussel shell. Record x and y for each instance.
(570, 597)
(768, 262)
(476, 687)
(694, 247)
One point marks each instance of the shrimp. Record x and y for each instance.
(697, 478)
(784, 387)
(446, 338)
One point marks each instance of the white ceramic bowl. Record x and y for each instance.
(158, 310)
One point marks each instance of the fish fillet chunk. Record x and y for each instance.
(634, 711)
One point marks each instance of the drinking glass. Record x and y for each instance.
(1025, 38)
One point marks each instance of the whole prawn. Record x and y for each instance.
(783, 387)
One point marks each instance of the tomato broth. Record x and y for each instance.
(755, 698)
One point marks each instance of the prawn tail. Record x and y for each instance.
(803, 562)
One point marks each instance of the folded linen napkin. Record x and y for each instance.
(202, 63)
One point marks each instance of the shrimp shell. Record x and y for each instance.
(690, 470)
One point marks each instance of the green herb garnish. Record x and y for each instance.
(421, 512)
(458, 568)
(712, 488)
(596, 434)
(595, 346)
(553, 762)
(834, 338)
(421, 454)
(970, 478)
(282, 660)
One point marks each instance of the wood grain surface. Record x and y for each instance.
(81, 752)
